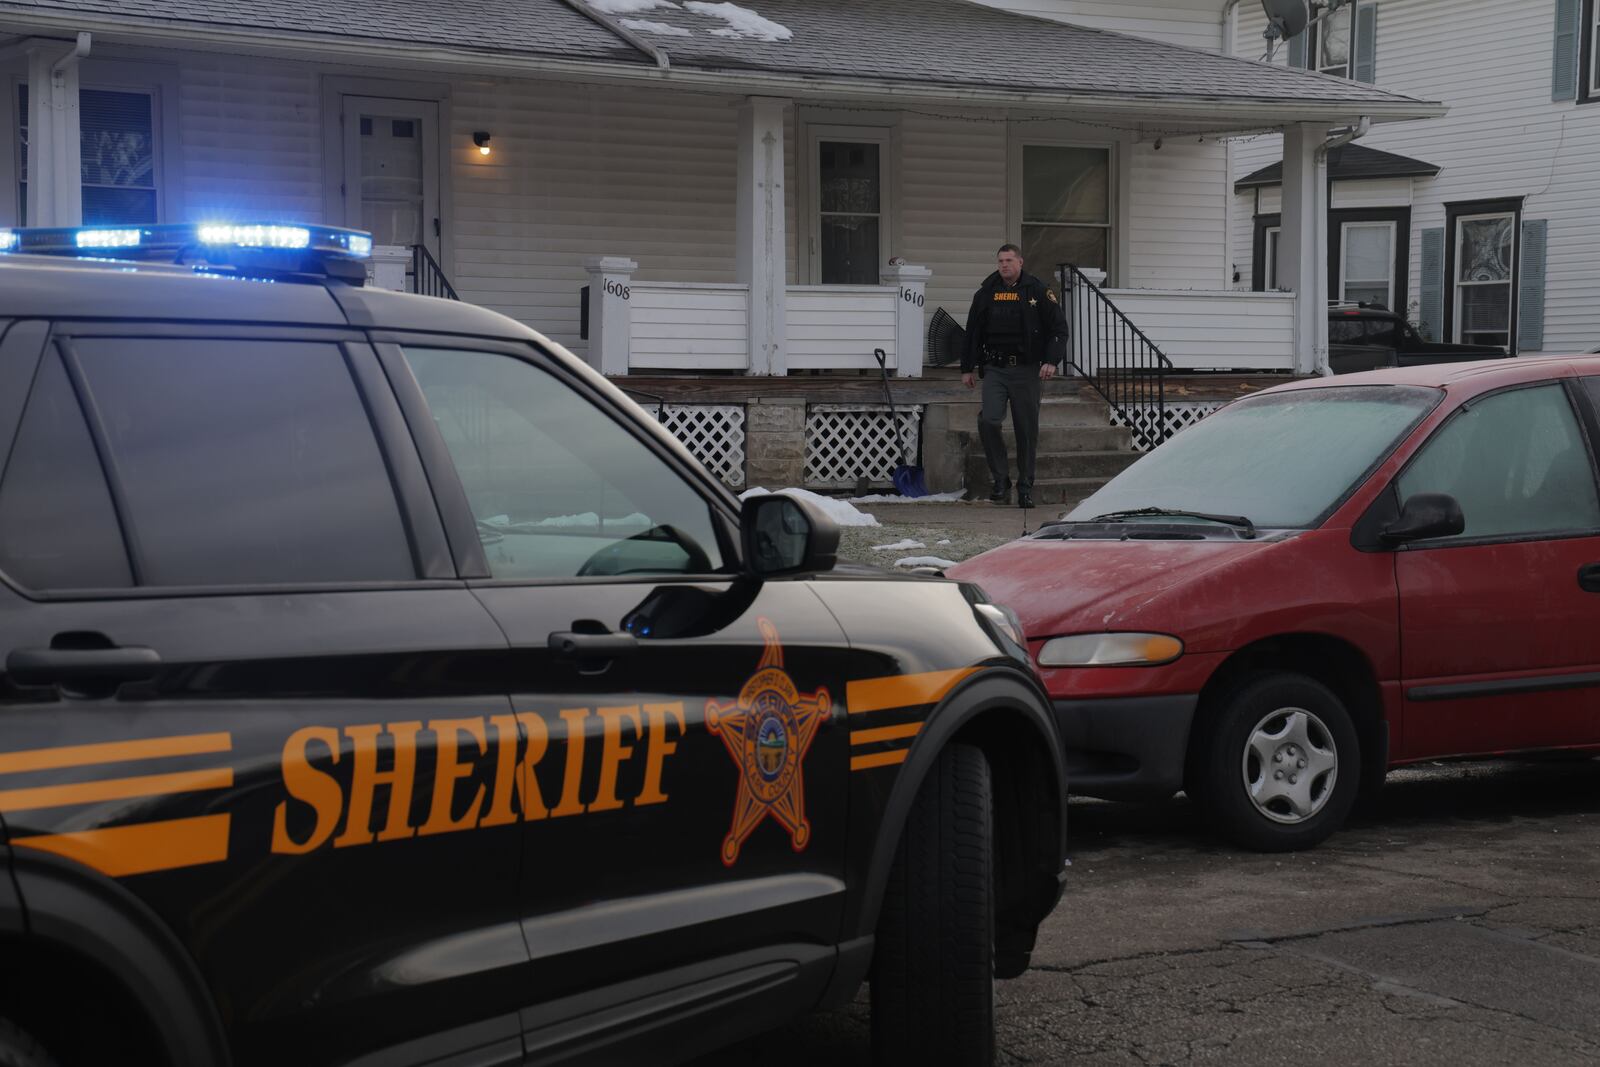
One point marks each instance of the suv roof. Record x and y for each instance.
(57, 288)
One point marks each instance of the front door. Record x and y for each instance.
(391, 170)
(685, 779)
(1500, 627)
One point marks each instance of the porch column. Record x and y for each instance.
(763, 254)
(610, 321)
(1303, 242)
(55, 157)
(911, 284)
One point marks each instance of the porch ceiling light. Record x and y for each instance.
(481, 139)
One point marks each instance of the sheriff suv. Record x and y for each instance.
(381, 687)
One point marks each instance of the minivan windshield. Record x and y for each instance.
(1281, 460)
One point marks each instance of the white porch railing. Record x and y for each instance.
(653, 326)
(1223, 330)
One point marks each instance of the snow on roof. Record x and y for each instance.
(646, 26)
(741, 22)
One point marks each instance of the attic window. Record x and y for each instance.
(1330, 42)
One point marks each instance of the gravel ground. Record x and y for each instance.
(856, 542)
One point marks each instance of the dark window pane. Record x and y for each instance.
(1061, 184)
(1043, 247)
(246, 462)
(102, 207)
(559, 489)
(57, 526)
(849, 250)
(850, 177)
(117, 136)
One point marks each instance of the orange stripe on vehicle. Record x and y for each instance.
(878, 759)
(149, 785)
(885, 733)
(155, 846)
(902, 690)
(46, 759)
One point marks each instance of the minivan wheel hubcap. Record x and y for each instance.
(1290, 765)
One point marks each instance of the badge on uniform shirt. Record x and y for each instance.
(1033, 302)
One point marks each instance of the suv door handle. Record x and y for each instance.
(42, 666)
(1589, 577)
(592, 646)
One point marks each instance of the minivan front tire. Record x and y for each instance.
(1280, 766)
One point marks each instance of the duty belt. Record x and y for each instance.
(1002, 356)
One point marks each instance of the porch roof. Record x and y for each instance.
(921, 49)
(1347, 163)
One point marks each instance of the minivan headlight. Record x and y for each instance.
(1110, 650)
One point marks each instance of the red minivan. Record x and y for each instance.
(1323, 581)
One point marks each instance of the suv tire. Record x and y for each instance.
(19, 1049)
(1280, 767)
(933, 963)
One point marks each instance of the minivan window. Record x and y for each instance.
(58, 529)
(558, 488)
(1282, 459)
(245, 462)
(1516, 462)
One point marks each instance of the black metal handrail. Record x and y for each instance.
(1125, 367)
(427, 277)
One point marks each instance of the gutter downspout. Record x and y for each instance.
(59, 69)
(1230, 30)
(601, 19)
(1325, 196)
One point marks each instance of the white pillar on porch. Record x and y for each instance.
(55, 155)
(763, 255)
(610, 321)
(1303, 242)
(912, 297)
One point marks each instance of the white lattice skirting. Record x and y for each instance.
(1179, 417)
(713, 434)
(848, 442)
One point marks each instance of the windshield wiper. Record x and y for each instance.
(1239, 521)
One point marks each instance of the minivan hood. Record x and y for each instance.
(1086, 586)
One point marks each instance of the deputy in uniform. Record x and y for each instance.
(1016, 336)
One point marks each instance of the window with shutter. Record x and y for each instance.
(117, 141)
(1530, 285)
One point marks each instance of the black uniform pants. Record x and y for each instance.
(1018, 388)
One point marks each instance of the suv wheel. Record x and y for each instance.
(19, 1049)
(1281, 767)
(933, 965)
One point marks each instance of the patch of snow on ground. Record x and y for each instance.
(924, 561)
(900, 546)
(840, 511)
(646, 26)
(892, 498)
(742, 22)
(946, 541)
(627, 7)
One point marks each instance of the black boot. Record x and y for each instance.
(1001, 492)
(1025, 496)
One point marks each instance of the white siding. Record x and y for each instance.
(953, 208)
(1176, 217)
(1197, 23)
(1490, 62)
(838, 325)
(689, 326)
(1215, 331)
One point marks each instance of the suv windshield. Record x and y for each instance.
(1283, 460)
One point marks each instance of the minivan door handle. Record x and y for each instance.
(1589, 577)
(44, 666)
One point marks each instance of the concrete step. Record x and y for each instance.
(1074, 412)
(1084, 439)
(1101, 465)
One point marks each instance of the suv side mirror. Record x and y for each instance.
(786, 535)
(1426, 515)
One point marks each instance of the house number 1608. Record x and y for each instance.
(618, 289)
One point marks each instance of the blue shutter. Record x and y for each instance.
(1564, 65)
(1364, 58)
(1297, 49)
(1530, 285)
(1432, 312)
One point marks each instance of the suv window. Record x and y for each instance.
(245, 462)
(1515, 461)
(58, 529)
(558, 488)
(1360, 330)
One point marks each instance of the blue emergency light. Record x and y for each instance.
(257, 246)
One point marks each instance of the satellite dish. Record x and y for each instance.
(1287, 17)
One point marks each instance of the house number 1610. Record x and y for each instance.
(911, 297)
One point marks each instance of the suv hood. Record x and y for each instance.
(1086, 586)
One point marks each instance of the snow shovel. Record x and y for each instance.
(908, 480)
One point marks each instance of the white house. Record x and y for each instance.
(1483, 225)
(738, 188)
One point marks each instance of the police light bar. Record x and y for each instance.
(225, 242)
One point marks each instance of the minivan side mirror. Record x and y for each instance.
(786, 535)
(1426, 515)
